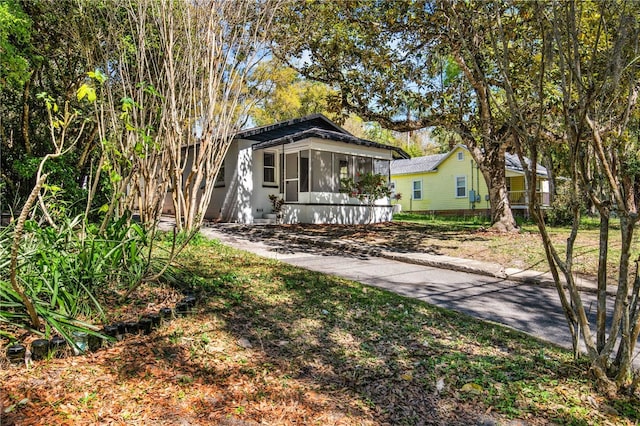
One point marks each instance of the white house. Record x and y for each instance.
(302, 162)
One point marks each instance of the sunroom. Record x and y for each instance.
(302, 161)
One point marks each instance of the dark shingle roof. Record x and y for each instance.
(316, 125)
(290, 127)
(513, 163)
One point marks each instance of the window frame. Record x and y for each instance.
(460, 156)
(413, 189)
(273, 168)
(457, 187)
(220, 177)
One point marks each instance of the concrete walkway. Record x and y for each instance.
(523, 300)
(527, 276)
(479, 289)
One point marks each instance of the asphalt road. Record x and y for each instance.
(530, 308)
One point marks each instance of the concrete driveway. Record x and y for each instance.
(527, 307)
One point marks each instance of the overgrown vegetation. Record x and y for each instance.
(66, 272)
(275, 344)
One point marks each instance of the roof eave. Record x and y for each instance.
(247, 134)
(339, 137)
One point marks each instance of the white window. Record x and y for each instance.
(460, 156)
(417, 190)
(461, 186)
(220, 178)
(269, 169)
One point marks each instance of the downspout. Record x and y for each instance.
(472, 197)
(281, 179)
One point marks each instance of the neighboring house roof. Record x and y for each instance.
(513, 163)
(427, 163)
(316, 125)
(430, 163)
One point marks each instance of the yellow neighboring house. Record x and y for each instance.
(451, 184)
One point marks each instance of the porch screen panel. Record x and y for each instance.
(322, 179)
(342, 169)
(291, 190)
(364, 165)
(291, 166)
(381, 167)
(304, 171)
(291, 179)
(281, 172)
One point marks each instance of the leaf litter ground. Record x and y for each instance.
(272, 344)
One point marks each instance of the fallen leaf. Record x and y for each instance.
(244, 343)
(472, 388)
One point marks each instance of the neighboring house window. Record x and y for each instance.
(417, 190)
(461, 186)
(220, 178)
(269, 165)
(460, 156)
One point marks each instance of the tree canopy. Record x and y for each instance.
(553, 81)
(408, 65)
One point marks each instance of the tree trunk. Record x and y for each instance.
(492, 165)
(601, 315)
(25, 116)
(501, 215)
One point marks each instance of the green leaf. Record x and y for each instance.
(97, 75)
(86, 91)
(52, 188)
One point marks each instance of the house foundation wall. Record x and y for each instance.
(336, 214)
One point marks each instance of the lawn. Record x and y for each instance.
(272, 344)
(474, 240)
(470, 239)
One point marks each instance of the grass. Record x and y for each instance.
(274, 344)
(468, 238)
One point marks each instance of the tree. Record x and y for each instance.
(583, 78)
(51, 40)
(179, 94)
(408, 65)
(14, 36)
(375, 132)
(284, 94)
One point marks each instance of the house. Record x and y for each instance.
(452, 184)
(302, 162)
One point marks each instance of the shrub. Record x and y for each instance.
(561, 211)
(63, 271)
